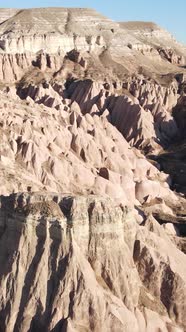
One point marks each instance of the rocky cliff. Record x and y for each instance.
(84, 264)
(92, 230)
(25, 34)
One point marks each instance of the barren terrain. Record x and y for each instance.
(92, 174)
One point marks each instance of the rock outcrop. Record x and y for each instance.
(64, 150)
(31, 36)
(62, 273)
(143, 127)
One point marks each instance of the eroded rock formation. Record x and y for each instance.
(92, 234)
(84, 263)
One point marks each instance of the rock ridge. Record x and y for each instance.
(70, 256)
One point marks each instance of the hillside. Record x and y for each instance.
(92, 184)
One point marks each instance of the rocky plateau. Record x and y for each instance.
(92, 174)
